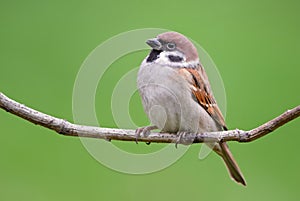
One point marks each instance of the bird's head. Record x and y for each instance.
(172, 48)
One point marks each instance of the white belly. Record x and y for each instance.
(167, 100)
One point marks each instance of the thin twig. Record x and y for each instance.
(66, 128)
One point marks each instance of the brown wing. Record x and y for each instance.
(202, 92)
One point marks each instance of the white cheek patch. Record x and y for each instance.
(165, 55)
(163, 60)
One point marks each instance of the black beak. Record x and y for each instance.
(154, 43)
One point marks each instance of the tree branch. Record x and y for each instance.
(66, 128)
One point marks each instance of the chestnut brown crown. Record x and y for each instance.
(180, 43)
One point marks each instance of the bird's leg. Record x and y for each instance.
(181, 139)
(180, 135)
(143, 131)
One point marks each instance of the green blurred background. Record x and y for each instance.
(255, 44)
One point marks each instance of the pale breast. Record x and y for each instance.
(168, 102)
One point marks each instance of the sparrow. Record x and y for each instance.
(177, 96)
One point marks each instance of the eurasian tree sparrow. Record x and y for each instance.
(177, 96)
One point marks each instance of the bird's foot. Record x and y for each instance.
(181, 139)
(143, 131)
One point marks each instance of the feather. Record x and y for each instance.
(202, 93)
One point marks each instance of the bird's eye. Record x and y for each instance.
(171, 46)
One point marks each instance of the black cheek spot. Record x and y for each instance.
(153, 55)
(175, 58)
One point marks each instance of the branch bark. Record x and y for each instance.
(64, 127)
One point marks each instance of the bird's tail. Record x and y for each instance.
(231, 165)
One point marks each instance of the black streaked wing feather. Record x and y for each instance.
(201, 90)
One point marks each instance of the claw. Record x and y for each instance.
(180, 134)
(144, 131)
(138, 132)
(181, 139)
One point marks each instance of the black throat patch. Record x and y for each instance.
(153, 55)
